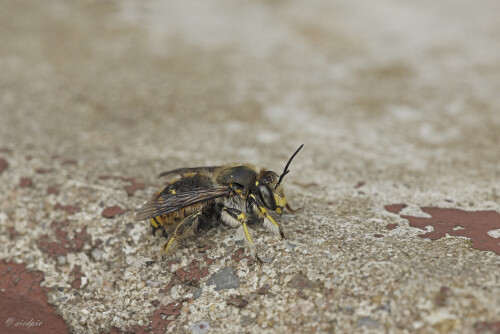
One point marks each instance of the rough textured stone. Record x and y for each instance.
(367, 322)
(97, 98)
(197, 293)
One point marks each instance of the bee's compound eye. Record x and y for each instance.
(267, 197)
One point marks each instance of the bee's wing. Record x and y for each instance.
(180, 171)
(166, 203)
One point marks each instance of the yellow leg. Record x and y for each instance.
(270, 223)
(187, 226)
(237, 218)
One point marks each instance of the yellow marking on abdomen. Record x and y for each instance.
(153, 222)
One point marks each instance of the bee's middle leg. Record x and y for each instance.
(183, 229)
(236, 218)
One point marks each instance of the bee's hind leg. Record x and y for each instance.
(183, 229)
(237, 218)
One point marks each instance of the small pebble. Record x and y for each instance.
(97, 254)
(246, 320)
(197, 293)
(200, 327)
(153, 284)
(368, 322)
(224, 279)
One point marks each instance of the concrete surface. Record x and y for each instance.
(396, 102)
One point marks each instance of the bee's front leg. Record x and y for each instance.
(269, 221)
(237, 218)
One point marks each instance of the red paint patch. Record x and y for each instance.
(112, 211)
(264, 290)
(378, 235)
(391, 226)
(79, 239)
(112, 330)
(191, 275)
(240, 255)
(68, 208)
(44, 170)
(5, 150)
(474, 225)
(25, 182)
(133, 187)
(69, 162)
(12, 233)
(359, 184)
(395, 208)
(3, 165)
(159, 321)
(203, 249)
(441, 298)
(170, 312)
(23, 301)
(237, 300)
(62, 245)
(77, 281)
(208, 260)
(52, 191)
(487, 327)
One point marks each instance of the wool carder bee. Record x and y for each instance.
(236, 193)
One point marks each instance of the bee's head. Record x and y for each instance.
(270, 189)
(271, 194)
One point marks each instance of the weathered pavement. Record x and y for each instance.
(397, 105)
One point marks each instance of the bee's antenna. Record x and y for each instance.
(285, 171)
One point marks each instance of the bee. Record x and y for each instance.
(235, 194)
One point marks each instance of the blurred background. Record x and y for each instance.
(406, 84)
